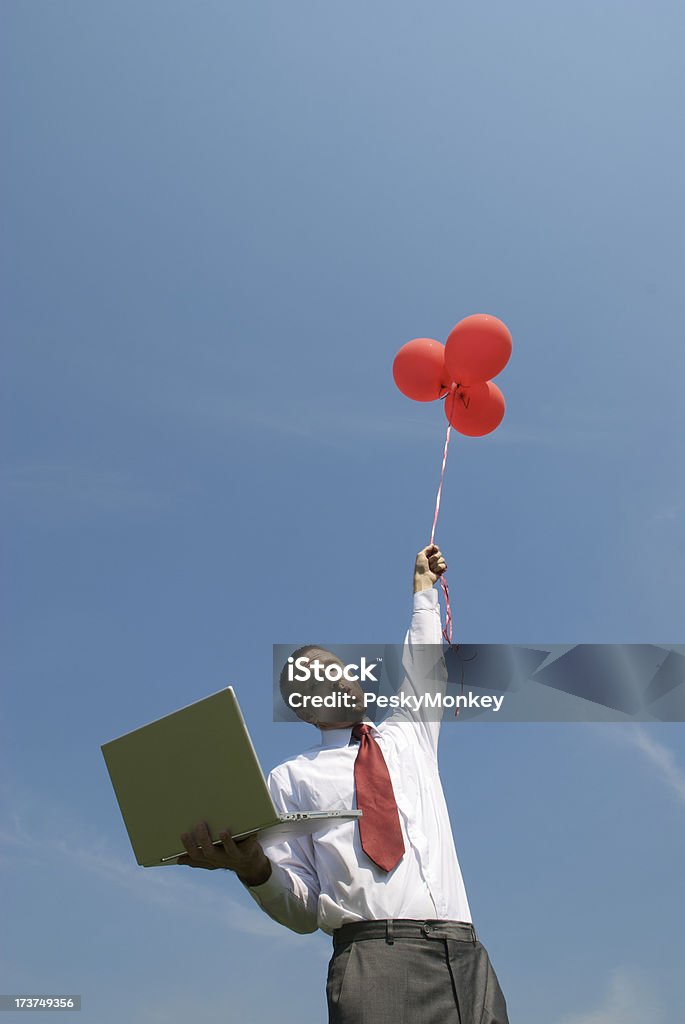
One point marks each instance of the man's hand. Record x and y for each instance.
(246, 858)
(430, 565)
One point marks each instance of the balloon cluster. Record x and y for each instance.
(459, 371)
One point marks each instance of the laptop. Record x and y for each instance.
(199, 764)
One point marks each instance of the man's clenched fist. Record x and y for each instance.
(430, 565)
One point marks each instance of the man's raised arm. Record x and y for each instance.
(423, 664)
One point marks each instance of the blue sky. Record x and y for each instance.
(220, 224)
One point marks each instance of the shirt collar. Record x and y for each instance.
(341, 737)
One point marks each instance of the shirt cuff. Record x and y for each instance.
(426, 600)
(275, 885)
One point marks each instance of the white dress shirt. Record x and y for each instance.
(326, 880)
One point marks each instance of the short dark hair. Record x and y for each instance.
(301, 652)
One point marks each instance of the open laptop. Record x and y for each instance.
(198, 764)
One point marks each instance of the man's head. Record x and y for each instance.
(311, 673)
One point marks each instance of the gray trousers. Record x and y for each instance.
(412, 972)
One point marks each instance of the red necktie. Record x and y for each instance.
(379, 826)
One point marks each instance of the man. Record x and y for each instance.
(388, 888)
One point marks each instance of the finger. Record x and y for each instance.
(247, 846)
(213, 855)
(205, 864)
(204, 839)
(193, 852)
(188, 842)
(229, 843)
(186, 860)
(432, 549)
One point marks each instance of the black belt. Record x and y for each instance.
(403, 928)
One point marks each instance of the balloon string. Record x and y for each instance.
(442, 477)
(447, 628)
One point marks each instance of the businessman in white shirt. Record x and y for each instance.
(387, 888)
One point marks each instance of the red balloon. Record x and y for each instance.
(419, 369)
(477, 349)
(476, 410)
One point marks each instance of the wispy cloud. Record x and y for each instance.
(660, 757)
(628, 1000)
(666, 513)
(70, 843)
(56, 489)
(315, 419)
(350, 419)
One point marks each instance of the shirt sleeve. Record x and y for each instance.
(424, 672)
(290, 895)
